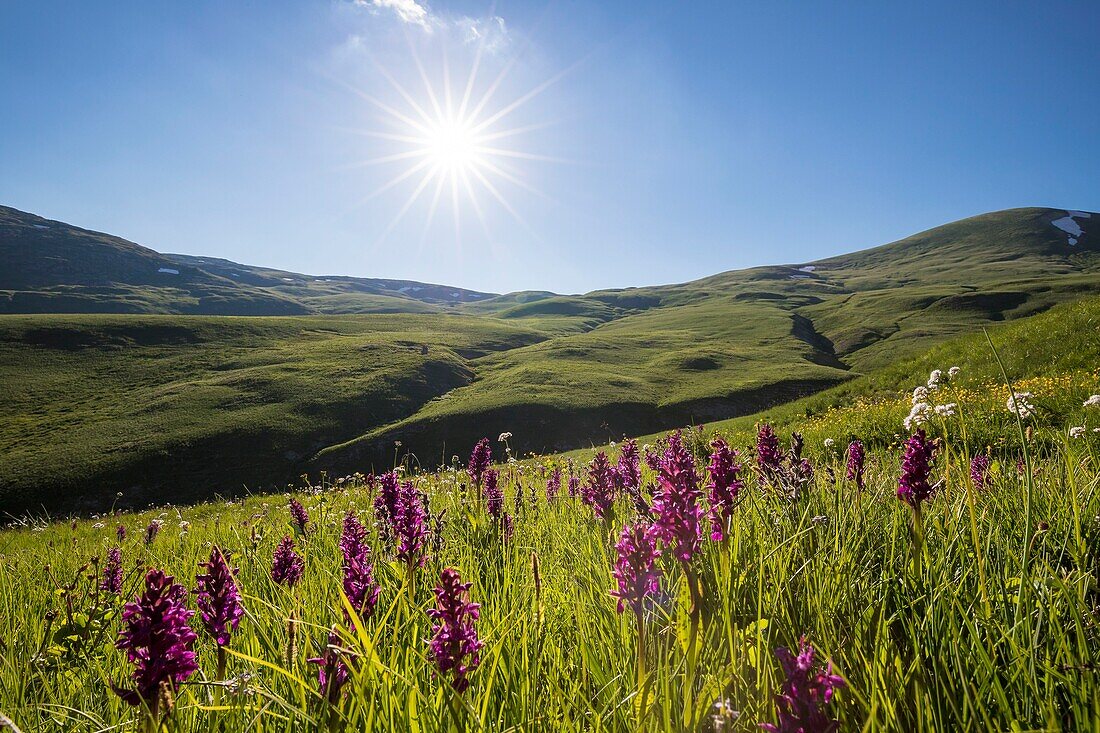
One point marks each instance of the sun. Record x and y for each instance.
(451, 145)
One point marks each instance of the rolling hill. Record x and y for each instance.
(173, 405)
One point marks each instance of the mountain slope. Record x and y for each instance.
(48, 266)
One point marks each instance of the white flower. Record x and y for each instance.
(611, 444)
(934, 379)
(829, 442)
(917, 416)
(947, 410)
(1077, 431)
(1093, 401)
(98, 525)
(920, 394)
(503, 437)
(953, 372)
(1021, 404)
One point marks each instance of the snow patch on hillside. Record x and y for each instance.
(168, 271)
(807, 268)
(1069, 225)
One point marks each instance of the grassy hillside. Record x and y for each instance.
(156, 406)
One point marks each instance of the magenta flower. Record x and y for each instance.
(359, 584)
(454, 646)
(507, 526)
(410, 525)
(723, 487)
(802, 699)
(152, 530)
(120, 532)
(480, 460)
(333, 672)
(299, 517)
(979, 470)
(157, 640)
(769, 459)
(494, 495)
(856, 459)
(286, 565)
(599, 489)
(676, 503)
(913, 486)
(112, 572)
(219, 600)
(628, 472)
(574, 481)
(553, 484)
(636, 568)
(385, 504)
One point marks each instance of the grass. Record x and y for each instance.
(993, 628)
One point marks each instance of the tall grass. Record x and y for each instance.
(921, 650)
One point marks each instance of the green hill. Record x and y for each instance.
(175, 406)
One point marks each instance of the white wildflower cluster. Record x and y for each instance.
(1077, 431)
(503, 437)
(1020, 403)
(1093, 401)
(829, 443)
(922, 408)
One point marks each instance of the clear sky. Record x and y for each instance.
(619, 143)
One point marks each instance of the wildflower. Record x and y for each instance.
(508, 526)
(410, 525)
(1093, 401)
(112, 572)
(385, 504)
(918, 415)
(574, 486)
(799, 473)
(676, 504)
(494, 496)
(979, 470)
(599, 490)
(120, 532)
(1020, 403)
(856, 458)
(954, 372)
(636, 570)
(359, 584)
(768, 457)
(286, 565)
(553, 484)
(913, 486)
(152, 530)
(504, 437)
(333, 672)
(628, 472)
(803, 696)
(299, 517)
(934, 379)
(947, 410)
(723, 487)
(920, 394)
(157, 640)
(480, 460)
(829, 443)
(98, 525)
(218, 599)
(1078, 431)
(454, 646)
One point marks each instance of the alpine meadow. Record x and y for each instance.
(839, 470)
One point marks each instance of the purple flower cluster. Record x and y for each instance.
(628, 472)
(157, 640)
(913, 486)
(359, 584)
(120, 532)
(723, 487)
(480, 460)
(856, 458)
(676, 504)
(286, 565)
(979, 471)
(112, 572)
(454, 646)
(494, 495)
(410, 525)
(636, 568)
(769, 459)
(152, 530)
(299, 517)
(333, 672)
(219, 600)
(553, 484)
(385, 504)
(574, 481)
(599, 489)
(803, 696)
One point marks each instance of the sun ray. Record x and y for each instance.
(408, 204)
(405, 155)
(424, 77)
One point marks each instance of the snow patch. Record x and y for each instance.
(168, 271)
(801, 277)
(407, 288)
(288, 279)
(40, 226)
(807, 268)
(234, 274)
(1069, 225)
(456, 295)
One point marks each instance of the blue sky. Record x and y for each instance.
(654, 142)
